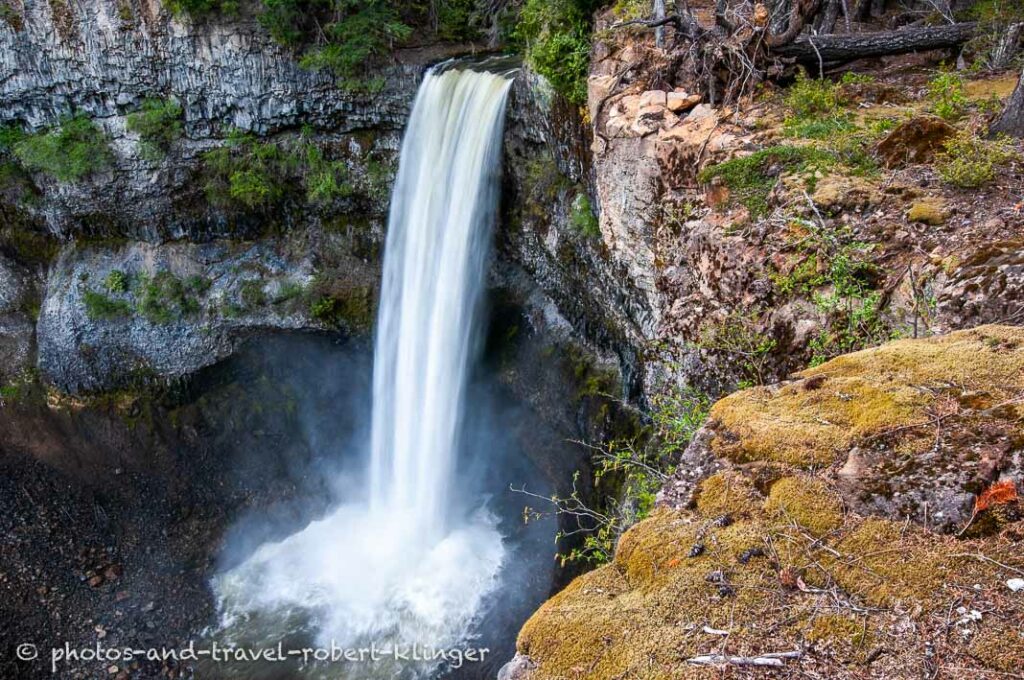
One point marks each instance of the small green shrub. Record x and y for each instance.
(947, 95)
(116, 281)
(325, 180)
(245, 171)
(252, 294)
(163, 297)
(583, 219)
(100, 307)
(157, 122)
(739, 338)
(811, 97)
(970, 162)
(352, 309)
(72, 152)
(851, 78)
(628, 473)
(254, 173)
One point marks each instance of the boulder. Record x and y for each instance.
(838, 192)
(915, 141)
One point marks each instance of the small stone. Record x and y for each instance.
(697, 550)
(931, 210)
(653, 98)
(113, 670)
(681, 101)
(95, 581)
(1015, 584)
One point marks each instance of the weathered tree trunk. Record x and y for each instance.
(826, 20)
(1011, 122)
(832, 49)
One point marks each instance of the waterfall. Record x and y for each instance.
(438, 236)
(403, 566)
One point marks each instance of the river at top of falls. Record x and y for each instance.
(410, 564)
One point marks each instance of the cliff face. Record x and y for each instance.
(104, 57)
(196, 278)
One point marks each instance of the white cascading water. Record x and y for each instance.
(404, 567)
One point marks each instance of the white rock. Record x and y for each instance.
(653, 98)
(1015, 584)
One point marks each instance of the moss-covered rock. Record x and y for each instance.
(791, 558)
(929, 210)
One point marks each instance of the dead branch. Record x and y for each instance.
(773, 659)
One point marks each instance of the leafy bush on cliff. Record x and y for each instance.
(556, 37)
(251, 173)
(69, 153)
(157, 122)
(627, 476)
(100, 307)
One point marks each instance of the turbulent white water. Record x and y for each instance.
(404, 567)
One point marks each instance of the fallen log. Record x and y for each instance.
(841, 48)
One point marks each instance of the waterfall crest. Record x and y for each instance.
(402, 567)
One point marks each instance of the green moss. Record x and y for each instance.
(164, 298)
(10, 15)
(846, 635)
(100, 307)
(751, 178)
(158, 124)
(806, 501)
(727, 493)
(351, 309)
(69, 153)
(252, 294)
(583, 219)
